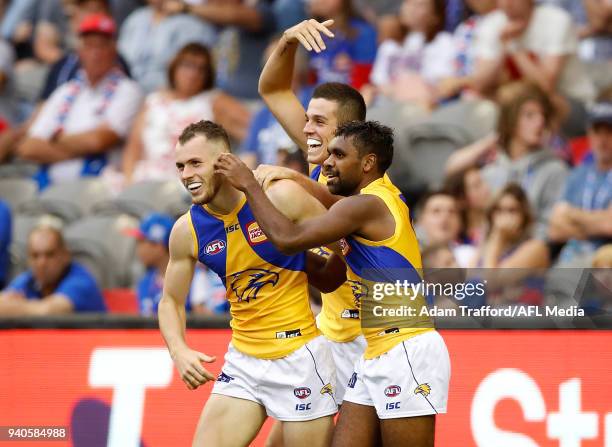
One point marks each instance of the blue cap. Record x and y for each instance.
(156, 227)
(600, 113)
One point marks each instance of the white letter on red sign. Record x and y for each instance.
(571, 425)
(505, 384)
(129, 372)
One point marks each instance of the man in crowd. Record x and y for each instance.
(85, 119)
(54, 284)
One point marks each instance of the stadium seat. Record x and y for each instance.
(120, 301)
(17, 190)
(145, 197)
(477, 118)
(69, 200)
(18, 168)
(419, 161)
(99, 242)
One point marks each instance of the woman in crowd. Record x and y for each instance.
(190, 97)
(508, 254)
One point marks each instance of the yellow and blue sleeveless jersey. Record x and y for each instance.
(339, 317)
(267, 290)
(396, 258)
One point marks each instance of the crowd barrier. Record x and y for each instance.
(119, 388)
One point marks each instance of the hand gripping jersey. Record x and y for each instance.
(267, 290)
(382, 263)
(339, 317)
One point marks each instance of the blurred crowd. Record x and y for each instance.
(502, 111)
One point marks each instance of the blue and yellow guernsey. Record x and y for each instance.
(396, 258)
(339, 317)
(267, 290)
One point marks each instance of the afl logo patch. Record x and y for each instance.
(215, 247)
(256, 236)
(393, 390)
(302, 392)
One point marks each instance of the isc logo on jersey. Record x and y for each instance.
(256, 236)
(215, 247)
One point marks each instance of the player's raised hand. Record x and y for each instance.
(308, 33)
(266, 174)
(237, 173)
(189, 365)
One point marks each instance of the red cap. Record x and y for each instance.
(98, 23)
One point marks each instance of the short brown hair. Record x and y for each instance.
(193, 49)
(351, 105)
(511, 98)
(212, 132)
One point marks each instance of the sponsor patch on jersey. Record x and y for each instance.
(215, 247)
(301, 392)
(350, 313)
(255, 234)
(344, 246)
(392, 330)
(289, 334)
(392, 390)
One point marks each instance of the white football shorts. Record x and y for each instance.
(411, 379)
(298, 387)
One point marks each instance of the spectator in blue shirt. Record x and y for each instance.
(54, 284)
(5, 241)
(583, 218)
(153, 241)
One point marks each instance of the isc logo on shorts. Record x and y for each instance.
(392, 390)
(215, 247)
(301, 392)
(256, 236)
(352, 380)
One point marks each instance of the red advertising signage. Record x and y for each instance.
(119, 387)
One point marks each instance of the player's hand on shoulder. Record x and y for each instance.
(266, 174)
(308, 33)
(189, 365)
(236, 171)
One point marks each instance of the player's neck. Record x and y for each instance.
(366, 181)
(226, 199)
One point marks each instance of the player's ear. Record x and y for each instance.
(369, 163)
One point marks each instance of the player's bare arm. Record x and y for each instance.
(277, 75)
(172, 320)
(326, 274)
(362, 214)
(267, 174)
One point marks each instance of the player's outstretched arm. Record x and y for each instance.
(277, 76)
(347, 216)
(171, 310)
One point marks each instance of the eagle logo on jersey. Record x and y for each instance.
(423, 389)
(247, 283)
(359, 291)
